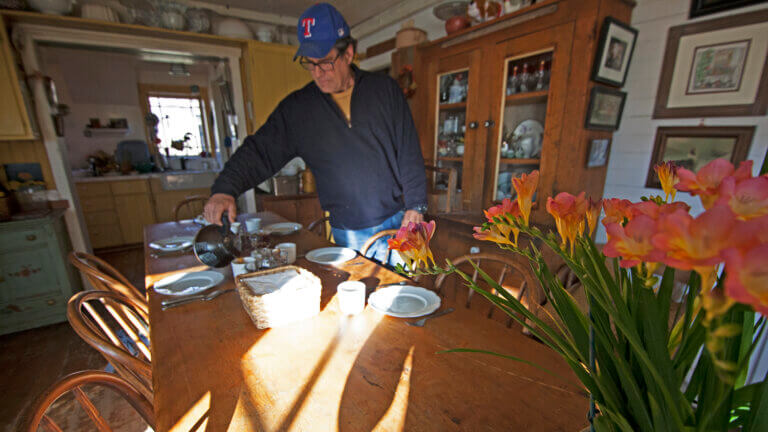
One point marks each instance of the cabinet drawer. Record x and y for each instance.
(97, 204)
(129, 187)
(88, 190)
(14, 313)
(23, 239)
(107, 217)
(105, 235)
(27, 274)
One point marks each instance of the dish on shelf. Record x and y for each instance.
(528, 135)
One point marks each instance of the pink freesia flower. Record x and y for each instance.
(507, 207)
(633, 242)
(494, 234)
(506, 213)
(568, 211)
(695, 243)
(747, 276)
(747, 198)
(412, 243)
(653, 210)
(706, 183)
(616, 210)
(525, 186)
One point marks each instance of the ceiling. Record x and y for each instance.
(354, 11)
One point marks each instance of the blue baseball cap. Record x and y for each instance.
(319, 28)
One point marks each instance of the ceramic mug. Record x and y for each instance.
(290, 251)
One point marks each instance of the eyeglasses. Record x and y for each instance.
(325, 65)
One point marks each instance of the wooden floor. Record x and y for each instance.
(32, 360)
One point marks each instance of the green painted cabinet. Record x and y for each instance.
(35, 278)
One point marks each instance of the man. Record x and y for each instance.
(353, 129)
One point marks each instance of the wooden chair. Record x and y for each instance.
(440, 200)
(104, 277)
(73, 383)
(321, 228)
(367, 245)
(572, 284)
(514, 276)
(118, 328)
(189, 203)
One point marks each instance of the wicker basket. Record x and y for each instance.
(273, 299)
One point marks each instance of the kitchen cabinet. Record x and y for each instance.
(35, 279)
(473, 114)
(269, 75)
(165, 201)
(14, 120)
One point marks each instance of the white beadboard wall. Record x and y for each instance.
(633, 142)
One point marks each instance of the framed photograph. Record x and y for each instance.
(706, 7)
(598, 152)
(694, 147)
(605, 108)
(614, 51)
(715, 68)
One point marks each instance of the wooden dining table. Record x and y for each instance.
(213, 370)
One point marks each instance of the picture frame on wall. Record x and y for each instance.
(693, 147)
(715, 68)
(614, 52)
(599, 149)
(706, 7)
(606, 106)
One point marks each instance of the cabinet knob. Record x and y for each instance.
(473, 125)
(488, 123)
(31, 237)
(51, 302)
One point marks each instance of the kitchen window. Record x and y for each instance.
(182, 128)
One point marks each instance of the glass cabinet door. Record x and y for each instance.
(450, 128)
(523, 119)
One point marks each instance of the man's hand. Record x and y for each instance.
(412, 216)
(218, 204)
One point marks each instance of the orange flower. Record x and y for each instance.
(747, 276)
(695, 243)
(593, 213)
(666, 171)
(616, 210)
(706, 183)
(505, 213)
(412, 243)
(747, 198)
(568, 211)
(633, 242)
(525, 186)
(494, 234)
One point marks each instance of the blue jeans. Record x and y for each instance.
(355, 239)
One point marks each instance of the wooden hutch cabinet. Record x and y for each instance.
(510, 96)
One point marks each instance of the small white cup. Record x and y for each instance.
(239, 267)
(252, 225)
(250, 263)
(351, 297)
(290, 251)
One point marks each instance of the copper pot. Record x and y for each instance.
(454, 24)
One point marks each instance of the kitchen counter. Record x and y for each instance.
(106, 178)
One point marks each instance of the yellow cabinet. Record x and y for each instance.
(14, 121)
(134, 212)
(269, 75)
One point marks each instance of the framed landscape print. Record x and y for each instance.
(715, 68)
(694, 147)
(706, 7)
(614, 51)
(598, 152)
(605, 108)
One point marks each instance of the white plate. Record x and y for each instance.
(282, 228)
(200, 220)
(331, 255)
(182, 284)
(404, 301)
(533, 130)
(174, 243)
